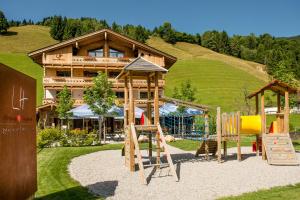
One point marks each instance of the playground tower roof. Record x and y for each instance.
(277, 87)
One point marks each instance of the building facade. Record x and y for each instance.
(75, 62)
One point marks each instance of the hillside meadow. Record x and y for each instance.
(220, 80)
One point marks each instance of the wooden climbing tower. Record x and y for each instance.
(277, 146)
(139, 69)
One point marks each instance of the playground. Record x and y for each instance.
(212, 170)
(104, 174)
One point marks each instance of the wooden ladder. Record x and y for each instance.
(279, 149)
(139, 155)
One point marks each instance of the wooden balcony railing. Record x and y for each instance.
(84, 81)
(94, 60)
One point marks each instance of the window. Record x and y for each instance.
(96, 53)
(113, 74)
(115, 53)
(63, 73)
(90, 73)
(144, 95)
(120, 95)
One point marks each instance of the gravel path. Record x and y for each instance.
(104, 173)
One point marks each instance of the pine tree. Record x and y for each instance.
(57, 27)
(3, 23)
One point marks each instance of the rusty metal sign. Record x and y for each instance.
(18, 173)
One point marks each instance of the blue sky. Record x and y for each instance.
(277, 17)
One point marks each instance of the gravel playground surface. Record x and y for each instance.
(104, 174)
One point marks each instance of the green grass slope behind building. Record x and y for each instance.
(220, 79)
(15, 45)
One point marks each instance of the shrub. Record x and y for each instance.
(51, 137)
(48, 137)
(79, 138)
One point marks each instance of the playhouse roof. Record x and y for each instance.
(277, 87)
(141, 65)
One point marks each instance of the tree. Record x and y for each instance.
(186, 93)
(100, 97)
(57, 27)
(235, 46)
(224, 42)
(167, 33)
(65, 103)
(210, 39)
(3, 23)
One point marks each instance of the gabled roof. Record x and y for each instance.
(39, 52)
(140, 64)
(277, 87)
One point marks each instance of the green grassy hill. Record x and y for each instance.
(220, 79)
(17, 42)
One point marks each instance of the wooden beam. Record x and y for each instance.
(131, 121)
(238, 128)
(219, 134)
(156, 100)
(125, 102)
(206, 130)
(263, 122)
(278, 103)
(256, 105)
(286, 112)
(131, 101)
(139, 155)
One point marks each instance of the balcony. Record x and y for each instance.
(87, 60)
(85, 82)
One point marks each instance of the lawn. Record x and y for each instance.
(192, 145)
(21, 62)
(54, 181)
(285, 192)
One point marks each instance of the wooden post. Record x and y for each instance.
(125, 103)
(156, 119)
(206, 129)
(131, 121)
(257, 136)
(156, 100)
(219, 136)
(263, 123)
(238, 127)
(256, 105)
(286, 112)
(105, 49)
(149, 114)
(278, 103)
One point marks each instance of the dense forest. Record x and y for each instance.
(280, 55)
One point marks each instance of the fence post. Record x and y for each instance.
(219, 136)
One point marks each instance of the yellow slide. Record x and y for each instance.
(251, 124)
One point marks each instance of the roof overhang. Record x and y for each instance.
(140, 66)
(277, 87)
(105, 32)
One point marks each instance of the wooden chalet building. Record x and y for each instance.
(76, 61)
